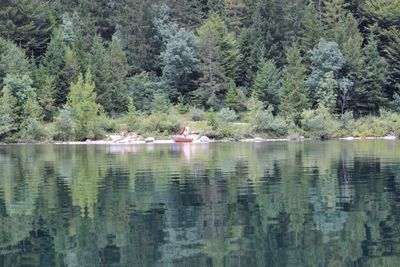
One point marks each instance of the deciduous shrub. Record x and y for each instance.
(319, 123)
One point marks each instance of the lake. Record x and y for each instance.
(333, 203)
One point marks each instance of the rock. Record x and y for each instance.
(204, 139)
(258, 139)
(150, 140)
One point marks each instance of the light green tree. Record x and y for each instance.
(82, 102)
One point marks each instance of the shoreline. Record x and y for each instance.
(196, 141)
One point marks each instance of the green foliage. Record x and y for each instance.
(293, 96)
(161, 103)
(13, 61)
(64, 126)
(319, 123)
(212, 120)
(54, 64)
(182, 107)
(197, 114)
(325, 57)
(46, 94)
(266, 122)
(7, 113)
(131, 116)
(267, 83)
(371, 94)
(158, 124)
(326, 91)
(227, 115)
(312, 30)
(82, 102)
(21, 88)
(219, 55)
(179, 58)
(347, 124)
(141, 90)
(27, 23)
(235, 98)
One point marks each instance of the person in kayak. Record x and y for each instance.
(185, 131)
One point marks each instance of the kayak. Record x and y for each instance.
(180, 139)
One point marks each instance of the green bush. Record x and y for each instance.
(227, 115)
(265, 121)
(64, 126)
(106, 124)
(347, 124)
(319, 123)
(370, 126)
(34, 131)
(158, 124)
(197, 114)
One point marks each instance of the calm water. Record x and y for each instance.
(271, 204)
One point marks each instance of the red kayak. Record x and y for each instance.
(180, 139)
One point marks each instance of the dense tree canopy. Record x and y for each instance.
(291, 54)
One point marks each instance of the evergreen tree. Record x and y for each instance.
(267, 84)
(312, 30)
(392, 54)
(82, 102)
(333, 12)
(7, 113)
(115, 98)
(46, 93)
(371, 94)
(219, 57)
(137, 33)
(293, 96)
(54, 64)
(27, 23)
(69, 74)
(99, 68)
(235, 99)
(141, 90)
(13, 61)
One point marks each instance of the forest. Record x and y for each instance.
(78, 69)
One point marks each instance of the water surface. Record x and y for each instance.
(255, 204)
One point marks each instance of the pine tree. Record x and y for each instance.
(294, 96)
(26, 23)
(333, 12)
(141, 90)
(137, 33)
(82, 102)
(267, 83)
(54, 64)
(99, 68)
(312, 30)
(115, 99)
(45, 92)
(69, 74)
(219, 57)
(235, 100)
(13, 61)
(371, 93)
(7, 113)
